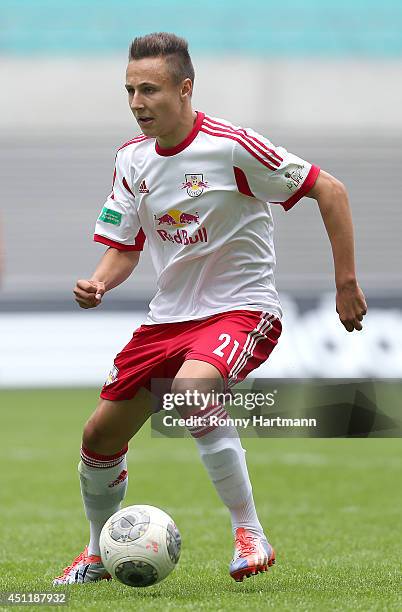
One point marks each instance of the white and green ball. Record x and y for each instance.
(140, 545)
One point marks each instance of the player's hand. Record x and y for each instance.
(351, 306)
(89, 293)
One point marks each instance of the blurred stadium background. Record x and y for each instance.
(322, 79)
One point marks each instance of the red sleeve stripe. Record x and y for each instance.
(242, 182)
(140, 138)
(303, 190)
(137, 246)
(135, 140)
(237, 138)
(114, 180)
(127, 187)
(251, 139)
(246, 138)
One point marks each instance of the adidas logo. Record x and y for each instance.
(121, 478)
(143, 187)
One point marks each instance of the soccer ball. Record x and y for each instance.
(140, 545)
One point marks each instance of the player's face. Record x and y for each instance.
(156, 101)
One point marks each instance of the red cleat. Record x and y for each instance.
(253, 554)
(84, 568)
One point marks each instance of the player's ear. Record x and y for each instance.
(186, 88)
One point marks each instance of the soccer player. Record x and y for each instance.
(199, 190)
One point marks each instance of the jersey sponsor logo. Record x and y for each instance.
(195, 184)
(294, 177)
(143, 187)
(112, 376)
(175, 219)
(110, 216)
(182, 236)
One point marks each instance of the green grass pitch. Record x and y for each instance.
(331, 508)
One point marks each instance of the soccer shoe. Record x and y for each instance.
(84, 568)
(253, 554)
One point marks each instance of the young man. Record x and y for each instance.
(198, 189)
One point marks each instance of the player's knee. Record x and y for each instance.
(193, 389)
(97, 439)
(193, 394)
(92, 434)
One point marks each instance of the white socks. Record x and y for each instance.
(103, 482)
(224, 459)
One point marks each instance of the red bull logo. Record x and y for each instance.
(195, 184)
(188, 218)
(112, 376)
(183, 236)
(178, 220)
(168, 219)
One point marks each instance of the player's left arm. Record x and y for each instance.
(333, 203)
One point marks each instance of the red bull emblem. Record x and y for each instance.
(165, 219)
(184, 237)
(194, 184)
(112, 376)
(189, 218)
(175, 219)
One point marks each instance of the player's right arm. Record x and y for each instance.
(118, 227)
(113, 269)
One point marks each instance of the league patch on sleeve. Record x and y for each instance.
(294, 175)
(110, 216)
(112, 377)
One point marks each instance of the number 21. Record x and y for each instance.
(226, 340)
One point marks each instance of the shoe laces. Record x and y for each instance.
(245, 542)
(77, 559)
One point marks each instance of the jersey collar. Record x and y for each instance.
(184, 143)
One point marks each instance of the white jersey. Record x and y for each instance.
(204, 207)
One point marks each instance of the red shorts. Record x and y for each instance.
(235, 342)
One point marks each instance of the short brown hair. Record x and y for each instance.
(164, 44)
